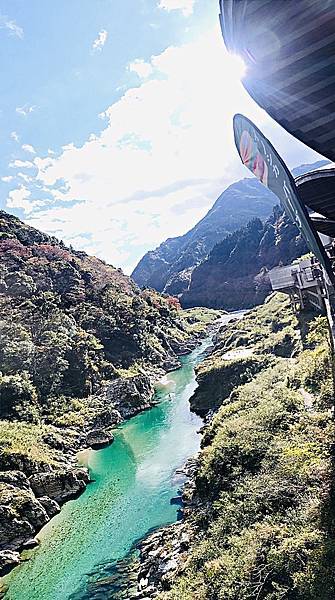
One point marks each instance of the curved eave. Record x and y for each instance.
(288, 48)
(317, 190)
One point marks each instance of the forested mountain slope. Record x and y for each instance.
(169, 267)
(80, 345)
(234, 275)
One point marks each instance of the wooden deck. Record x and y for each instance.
(302, 281)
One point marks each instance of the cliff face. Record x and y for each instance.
(234, 276)
(177, 256)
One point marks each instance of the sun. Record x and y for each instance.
(235, 66)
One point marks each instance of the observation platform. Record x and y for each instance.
(302, 281)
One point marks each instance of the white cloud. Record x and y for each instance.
(100, 41)
(24, 164)
(15, 136)
(186, 6)
(20, 198)
(141, 68)
(12, 27)
(25, 110)
(7, 178)
(28, 148)
(164, 155)
(25, 177)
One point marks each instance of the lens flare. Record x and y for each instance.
(237, 66)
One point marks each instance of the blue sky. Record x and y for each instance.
(115, 120)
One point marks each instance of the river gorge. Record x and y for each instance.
(133, 482)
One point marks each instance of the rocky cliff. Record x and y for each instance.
(234, 275)
(170, 265)
(169, 268)
(200, 272)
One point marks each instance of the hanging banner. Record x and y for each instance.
(258, 154)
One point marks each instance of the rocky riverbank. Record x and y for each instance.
(258, 514)
(163, 554)
(34, 483)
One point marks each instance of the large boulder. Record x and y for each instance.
(106, 417)
(21, 515)
(99, 438)
(128, 395)
(8, 560)
(60, 485)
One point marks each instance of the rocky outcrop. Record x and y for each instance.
(60, 485)
(104, 416)
(128, 395)
(21, 515)
(99, 438)
(217, 383)
(51, 507)
(8, 560)
(26, 504)
(17, 461)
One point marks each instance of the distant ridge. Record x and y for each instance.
(239, 203)
(169, 267)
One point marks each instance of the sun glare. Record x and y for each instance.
(236, 66)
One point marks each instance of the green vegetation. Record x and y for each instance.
(20, 441)
(69, 323)
(263, 521)
(267, 332)
(198, 319)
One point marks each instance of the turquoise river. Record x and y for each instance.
(133, 482)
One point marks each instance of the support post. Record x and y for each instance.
(330, 310)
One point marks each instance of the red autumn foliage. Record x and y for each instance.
(173, 302)
(15, 248)
(52, 252)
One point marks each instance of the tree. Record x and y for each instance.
(18, 397)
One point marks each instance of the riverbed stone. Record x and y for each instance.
(8, 560)
(31, 543)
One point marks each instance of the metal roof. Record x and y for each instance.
(317, 190)
(324, 226)
(288, 48)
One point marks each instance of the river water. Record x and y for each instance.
(134, 481)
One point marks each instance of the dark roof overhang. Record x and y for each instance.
(288, 48)
(317, 190)
(324, 226)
